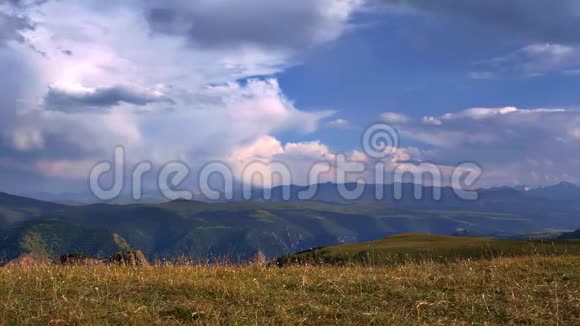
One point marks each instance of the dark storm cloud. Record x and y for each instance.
(275, 24)
(540, 20)
(106, 97)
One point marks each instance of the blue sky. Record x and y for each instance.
(493, 83)
(419, 66)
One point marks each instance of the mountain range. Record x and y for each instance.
(239, 229)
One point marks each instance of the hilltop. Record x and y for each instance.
(419, 247)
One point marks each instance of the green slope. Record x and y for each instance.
(418, 247)
(239, 230)
(54, 238)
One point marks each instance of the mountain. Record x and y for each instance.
(55, 238)
(15, 209)
(240, 229)
(575, 235)
(561, 191)
(549, 208)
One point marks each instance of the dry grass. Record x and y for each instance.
(501, 291)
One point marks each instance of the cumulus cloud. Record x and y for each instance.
(203, 92)
(514, 146)
(263, 157)
(228, 117)
(314, 162)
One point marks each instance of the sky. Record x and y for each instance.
(492, 82)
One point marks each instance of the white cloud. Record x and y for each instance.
(298, 158)
(27, 139)
(514, 146)
(67, 169)
(537, 60)
(338, 123)
(264, 148)
(432, 121)
(303, 157)
(162, 95)
(394, 117)
(478, 113)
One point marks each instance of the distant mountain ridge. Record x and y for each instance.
(241, 228)
(327, 192)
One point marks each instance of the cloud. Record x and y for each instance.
(548, 29)
(260, 23)
(27, 139)
(263, 155)
(160, 94)
(303, 158)
(228, 116)
(514, 146)
(338, 123)
(394, 117)
(482, 75)
(11, 28)
(572, 72)
(76, 100)
(540, 21)
(14, 21)
(537, 59)
(25, 3)
(67, 169)
(191, 81)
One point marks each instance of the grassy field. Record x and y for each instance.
(524, 290)
(405, 248)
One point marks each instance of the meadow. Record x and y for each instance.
(411, 247)
(501, 291)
